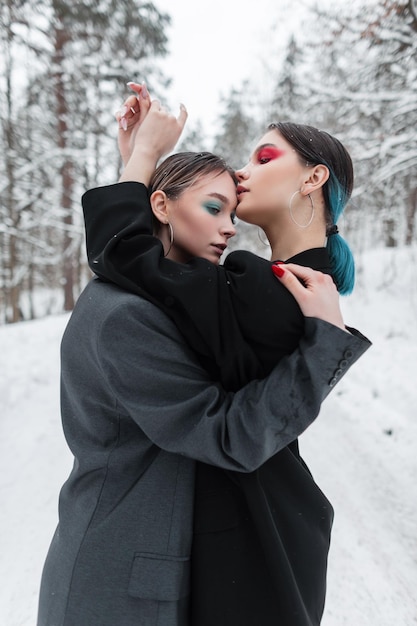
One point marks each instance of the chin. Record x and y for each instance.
(214, 258)
(248, 217)
(243, 213)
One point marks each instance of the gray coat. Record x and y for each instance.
(137, 411)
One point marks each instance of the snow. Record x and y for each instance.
(361, 450)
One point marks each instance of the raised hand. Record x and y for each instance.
(130, 115)
(154, 134)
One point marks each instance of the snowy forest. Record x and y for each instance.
(352, 70)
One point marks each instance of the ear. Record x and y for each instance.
(159, 204)
(317, 176)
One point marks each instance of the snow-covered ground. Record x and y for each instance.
(362, 451)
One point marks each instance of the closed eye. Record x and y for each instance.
(268, 153)
(213, 209)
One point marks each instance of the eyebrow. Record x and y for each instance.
(265, 145)
(219, 196)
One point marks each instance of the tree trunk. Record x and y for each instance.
(66, 170)
(411, 217)
(12, 288)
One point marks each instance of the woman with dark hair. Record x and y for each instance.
(140, 408)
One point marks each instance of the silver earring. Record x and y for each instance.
(171, 238)
(291, 213)
(265, 243)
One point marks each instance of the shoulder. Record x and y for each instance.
(108, 321)
(108, 304)
(250, 276)
(241, 261)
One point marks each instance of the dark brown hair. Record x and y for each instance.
(315, 147)
(180, 171)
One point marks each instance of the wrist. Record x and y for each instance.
(140, 165)
(146, 153)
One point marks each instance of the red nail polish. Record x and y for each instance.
(278, 270)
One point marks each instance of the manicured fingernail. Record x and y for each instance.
(145, 92)
(123, 123)
(278, 270)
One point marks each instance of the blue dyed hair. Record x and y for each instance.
(316, 147)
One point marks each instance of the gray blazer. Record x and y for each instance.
(138, 409)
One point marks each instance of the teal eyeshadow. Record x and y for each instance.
(212, 206)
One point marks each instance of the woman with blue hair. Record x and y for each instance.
(315, 148)
(261, 539)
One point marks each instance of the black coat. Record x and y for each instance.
(261, 540)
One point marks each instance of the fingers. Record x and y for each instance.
(314, 291)
(182, 117)
(157, 108)
(135, 107)
(148, 123)
(308, 275)
(290, 279)
(155, 105)
(309, 278)
(140, 89)
(127, 112)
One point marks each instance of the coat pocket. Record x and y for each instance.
(159, 577)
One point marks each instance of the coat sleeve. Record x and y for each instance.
(181, 411)
(198, 296)
(238, 318)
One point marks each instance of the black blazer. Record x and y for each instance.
(261, 540)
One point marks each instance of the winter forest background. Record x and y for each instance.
(347, 67)
(351, 70)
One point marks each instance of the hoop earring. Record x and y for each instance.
(265, 243)
(171, 238)
(291, 213)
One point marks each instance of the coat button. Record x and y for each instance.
(343, 363)
(348, 354)
(332, 382)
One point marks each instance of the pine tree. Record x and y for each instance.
(367, 58)
(238, 130)
(77, 59)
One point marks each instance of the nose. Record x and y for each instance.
(242, 174)
(227, 228)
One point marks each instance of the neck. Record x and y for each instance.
(286, 243)
(287, 239)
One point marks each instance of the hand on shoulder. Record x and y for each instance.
(314, 291)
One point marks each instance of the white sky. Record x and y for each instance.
(217, 44)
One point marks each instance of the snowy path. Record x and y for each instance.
(373, 558)
(361, 450)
